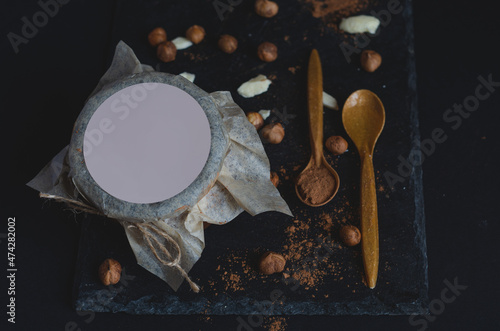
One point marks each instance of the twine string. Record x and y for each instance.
(147, 231)
(78, 205)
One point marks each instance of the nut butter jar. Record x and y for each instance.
(148, 146)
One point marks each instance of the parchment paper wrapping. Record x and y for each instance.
(243, 184)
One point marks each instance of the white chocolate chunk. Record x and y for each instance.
(188, 76)
(254, 86)
(264, 113)
(182, 43)
(360, 24)
(329, 101)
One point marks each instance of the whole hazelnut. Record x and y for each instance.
(370, 60)
(267, 52)
(336, 145)
(228, 44)
(266, 8)
(271, 263)
(196, 34)
(274, 133)
(157, 36)
(109, 272)
(166, 51)
(256, 119)
(275, 179)
(350, 235)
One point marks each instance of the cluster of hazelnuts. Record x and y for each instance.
(166, 50)
(273, 132)
(266, 51)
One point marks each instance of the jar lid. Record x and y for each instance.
(147, 147)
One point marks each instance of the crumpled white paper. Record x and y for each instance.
(243, 183)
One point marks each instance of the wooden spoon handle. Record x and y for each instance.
(315, 106)
(369, 221)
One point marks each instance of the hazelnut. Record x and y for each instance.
(274, 133)
(370, 60)
(266, 8)
(166, 51)
(275, 178)
(109, 272)
(228, 44)
(350, 235)
(271, 263)
(256, 119)
(196, 34)
(157, 36)
(267, 52)
(336, 145)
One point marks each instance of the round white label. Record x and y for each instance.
(147, 142)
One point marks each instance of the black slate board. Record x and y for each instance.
(233, 248)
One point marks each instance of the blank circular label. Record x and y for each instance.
(147, 142)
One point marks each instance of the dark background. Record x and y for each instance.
(455, 42)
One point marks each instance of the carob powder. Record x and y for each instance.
(316, 185)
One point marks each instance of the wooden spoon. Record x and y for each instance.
(363, 116)
(315, 105)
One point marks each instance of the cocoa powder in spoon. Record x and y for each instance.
(316, 185)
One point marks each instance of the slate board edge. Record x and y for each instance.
(417, 175)
(365, 307)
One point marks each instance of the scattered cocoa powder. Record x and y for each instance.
(236, 271)
(276, 324)
(316, 185)
(305, 262)
(284, 173)
(335, 8)
(195, 57)
(231, 281)
(328, 220)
